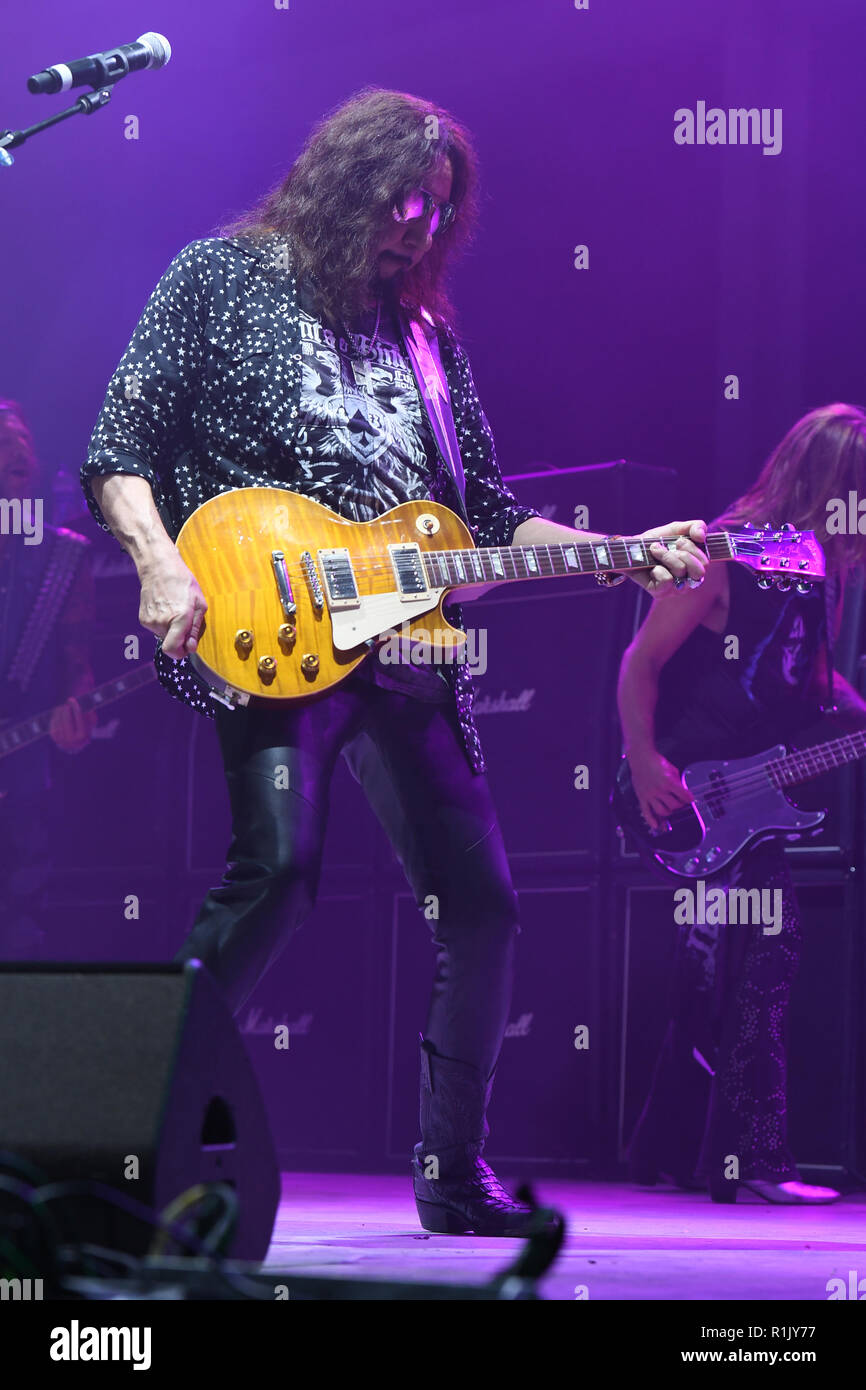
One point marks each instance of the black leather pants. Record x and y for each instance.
(439, 816)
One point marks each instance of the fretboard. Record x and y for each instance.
(805, 763)
(29, 730)
(505, 562)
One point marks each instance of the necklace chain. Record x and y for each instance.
(369, 352)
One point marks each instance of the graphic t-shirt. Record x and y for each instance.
(371, 444)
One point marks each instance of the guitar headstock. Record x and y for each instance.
(781, 556)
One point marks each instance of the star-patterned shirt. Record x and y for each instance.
(207, 397)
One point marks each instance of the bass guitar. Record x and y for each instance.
(738, 802)
(297, 595)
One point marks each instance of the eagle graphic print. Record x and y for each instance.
(371, 441)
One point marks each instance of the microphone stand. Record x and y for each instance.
(84, 106)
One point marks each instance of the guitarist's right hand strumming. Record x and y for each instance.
(657, 786)
(172, 604)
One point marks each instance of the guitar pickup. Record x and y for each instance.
(340, 584)
(409, 572)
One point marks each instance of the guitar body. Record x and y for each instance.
(736, 806)
(256, 642)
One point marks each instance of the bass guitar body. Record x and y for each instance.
(738, 802)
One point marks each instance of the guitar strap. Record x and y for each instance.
(422, 348)
(66, 555)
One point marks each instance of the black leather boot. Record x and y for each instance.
(456, 1192)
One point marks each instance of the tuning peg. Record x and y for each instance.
(764, 581)
(786, 526)
(783, 583)
(749, 526)
(804, 586)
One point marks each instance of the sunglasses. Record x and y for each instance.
(419, 203)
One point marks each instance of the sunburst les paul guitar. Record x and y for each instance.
(297, 596)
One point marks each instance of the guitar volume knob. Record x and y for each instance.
(243, 641)
(267, 669)
(309, 663)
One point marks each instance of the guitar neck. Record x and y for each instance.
(30, 730)
(501, 564)
(806, 763)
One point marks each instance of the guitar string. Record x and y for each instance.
(375, 563)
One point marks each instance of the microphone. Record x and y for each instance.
(103, 69)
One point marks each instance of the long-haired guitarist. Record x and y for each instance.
(729, 671)
(311, 347)
(46, 611)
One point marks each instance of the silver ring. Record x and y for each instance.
(695, 583)
(678, 582)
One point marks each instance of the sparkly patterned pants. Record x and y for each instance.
(439, 816)
(719, 1088)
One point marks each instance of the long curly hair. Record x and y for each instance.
(336, 201)
(821, 459)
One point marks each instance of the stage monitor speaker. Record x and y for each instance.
(136, 1078)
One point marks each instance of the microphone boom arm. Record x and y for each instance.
(84, 106)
